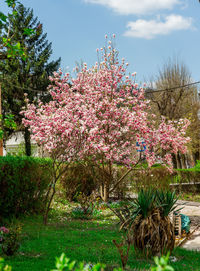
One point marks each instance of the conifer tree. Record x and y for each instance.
(29, 75)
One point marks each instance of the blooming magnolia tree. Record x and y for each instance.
(55, 126)
(98, 117)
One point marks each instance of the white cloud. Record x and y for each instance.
(151, 29)
(127, 7)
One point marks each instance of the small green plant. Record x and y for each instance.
(177, 179)
(3, 266)
(11, 239)
(64, 264)
(80, 213)
(197, 166)
(86, 203)
(162, 264)
(117, 204)
(88, 207)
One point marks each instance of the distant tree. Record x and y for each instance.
(8, 47)
(28, 74)
(176, 102)
(172, 102)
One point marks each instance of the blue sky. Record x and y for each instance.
(148, 32)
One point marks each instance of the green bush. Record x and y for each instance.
(197, 166)
(11, 239)
(78, 179)
(190, 175)
(158, 177)
(23, 182)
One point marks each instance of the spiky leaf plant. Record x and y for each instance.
(153, 232)
(142, 205)
(167, 200)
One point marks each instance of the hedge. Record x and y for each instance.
(160, 177)
(23, 183)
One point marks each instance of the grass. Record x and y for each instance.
(80, 240)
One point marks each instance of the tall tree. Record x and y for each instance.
(177, 100)
(29, 74)
(8, 47)
(98, 119)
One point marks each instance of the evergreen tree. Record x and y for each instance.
(29, 75)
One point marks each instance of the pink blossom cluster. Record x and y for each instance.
(4, 230)
(101, 114)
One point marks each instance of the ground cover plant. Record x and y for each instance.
(81, 240)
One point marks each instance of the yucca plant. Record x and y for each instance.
(149, 222)
(142, 205)
(167, 200)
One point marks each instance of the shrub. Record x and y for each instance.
(191, 175)
(78, 179)
(23, 182)
(86, 208)
(197, 166)
(3, 233)
(11, 239)
(121, 191)
(158, 177)
(147, 219)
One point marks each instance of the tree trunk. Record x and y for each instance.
(179, 165)
(48, 206)
(174, 160)
(104, 191)
(27, 139)
(196, 156)
(183, 161)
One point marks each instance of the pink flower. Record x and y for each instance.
(4, 230)
(102, 113)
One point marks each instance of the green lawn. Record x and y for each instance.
(80, 240)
